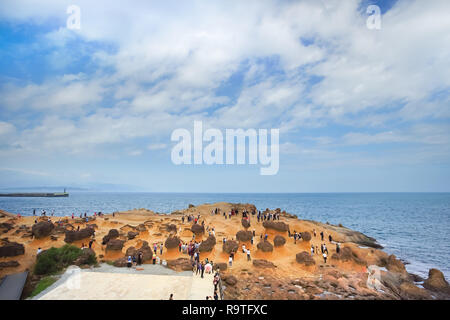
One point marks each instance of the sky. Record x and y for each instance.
(359, 109)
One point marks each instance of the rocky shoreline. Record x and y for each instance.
(280, 267)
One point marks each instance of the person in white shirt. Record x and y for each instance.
(248, 255)
(39, 250)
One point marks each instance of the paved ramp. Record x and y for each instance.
(12, 286)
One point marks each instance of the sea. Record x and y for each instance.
(413, 226)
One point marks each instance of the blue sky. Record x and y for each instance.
(358, 109)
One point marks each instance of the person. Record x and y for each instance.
(216, 296)
(265, 237)
(312, 250)
(230, 260)
(314, 232)
(338, 248)
(154, 258)
(134, 261)
(248, 255)
(202, 266)
(90, 243)
(139, 262)
(34, 212)
(39, 250)
(78, 229)
(171, 296)
(161, 249)
(324, 257)
(243, 249)
(208, 267)
(321, 235)
(251, 240)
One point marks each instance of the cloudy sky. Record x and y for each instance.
(358, 109)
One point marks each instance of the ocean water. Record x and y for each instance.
(413, 226)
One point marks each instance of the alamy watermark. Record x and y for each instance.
(74, 20)
(235, 140)
(373, 22)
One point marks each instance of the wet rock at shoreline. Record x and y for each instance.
(436, 282)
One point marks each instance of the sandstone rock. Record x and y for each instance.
(114, 244)
(180, 264)
(208, 244)
(172, 242)
(436, 282)
(261, 263)
(72, 236)
(347, 254)
(279, 241)
(131, 235)
(230, 280)
(121, 262)
(265, 246)
(244, 236)
(131, 251)
(147, 252)
(409, 291)
(306, 236)
(230, 246)
(9, 264)
(42, 229)
(222, 266)
(305, 258)
(5, 227)
(395, 265)
(245, 223)
(172, 228)
(278, 226)
(141, 227)
(112, 234)
(197, 228)
(85, 257)
(11, 249)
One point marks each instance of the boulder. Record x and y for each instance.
(230, 280)
(245, 223)
(180, 264)
(131, 235)
(121, 262)
(208, 244)
(191, 206)
(147, 252)
(261, 263)
(265, 246)
(115, 244)
(9, 264)
(276, 225)
(230, 246)
(112, 234)
(436, 282)
(42, 229)
(172, 228)
(279, 241)
(172, 242)
(11, 249)
(244, 236)
(306, 236)
(197, 228)
(131, 251)
(72, 236)
(85, 257)
(221, 266)
(305, 258)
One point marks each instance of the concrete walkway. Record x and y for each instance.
(153, 282)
